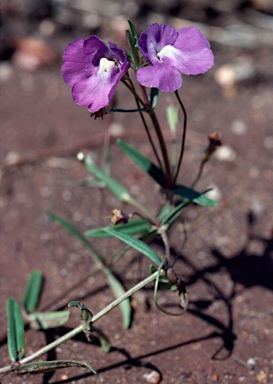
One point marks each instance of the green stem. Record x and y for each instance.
(162, 147)
(199, 174)
(143, 211)
(82, 327)
(146, 128)
(183, 137)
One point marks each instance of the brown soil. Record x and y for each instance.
(227, 263)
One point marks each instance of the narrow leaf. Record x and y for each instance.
(133, 32)
(193, 195)
(46, 320)
(136, 244)
(96, 257)
(49, 366)
(133, 227)
(172, 117)
(104, 340)
(118, 291)
(143, 162)
(16, 332)
(170, 216)
(114, 186)
(77, 234)
(32, 291)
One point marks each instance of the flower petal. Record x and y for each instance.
(77, 65)
(195, 55)
(191, 39)
(156, 38)
(164, 77)
(97, 91)
(187, 62)
(93, 69)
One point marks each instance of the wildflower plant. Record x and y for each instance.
(158, 59)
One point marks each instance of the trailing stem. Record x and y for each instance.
(81, 327)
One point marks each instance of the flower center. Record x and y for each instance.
(167, 52)
(106, 67)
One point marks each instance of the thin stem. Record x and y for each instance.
(132, 89)
(147, 129)
(127, 294)
(143, 211)
(183, 137)
(82, 327)
(45, 349)
(145, 97)
(199, 174)
(162, 147)
(166, 243)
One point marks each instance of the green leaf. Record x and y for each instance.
(77, 234)
(170, 214)
(133, 227)
(143, 162)
(136, 244)
(98, 259)
(49, 366)
(172, 117)
(46, 320)
(191, 194)
(118, 291)
(32, 291)
(86, 314)
(132, 39)
(114, 186)
(16, 332)
(133, 32)
(104, 340)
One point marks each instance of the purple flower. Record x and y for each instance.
(171, 53)
(93, 70)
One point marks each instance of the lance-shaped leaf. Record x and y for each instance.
(143, 162)
(132, 39)
(191, 194)
(118, 290)
(46, 320)
(104, 340)
(114, 186)
(32, 291)
(116, 287)
(134, 227)
(16, 332)
(49, 366)
(172, 117)
(136, 244)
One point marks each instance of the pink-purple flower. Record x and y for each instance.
(93, 70)
(171, 53)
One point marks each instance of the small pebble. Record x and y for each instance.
(251, 361)
(12, 158)
(268, 142)
(225, 153)
(67, 195)
(47, 27)
(238, 127)
(116, 130)
(229, 74)
(214, 378)
(261, 377)
(153, 377)
(6, 71)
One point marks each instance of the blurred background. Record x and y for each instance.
(227, 263)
